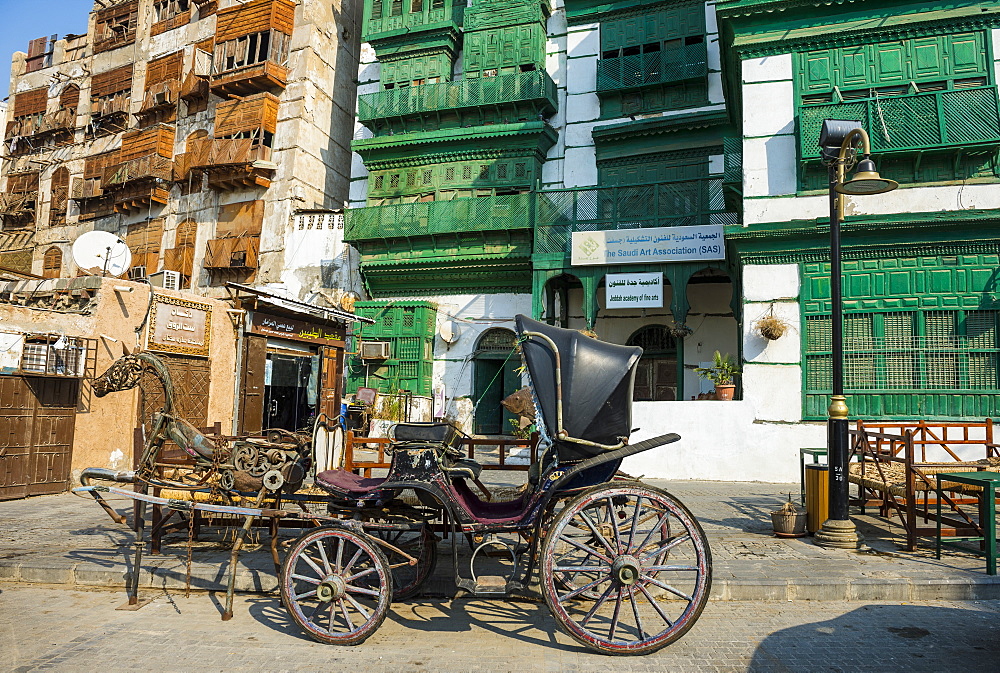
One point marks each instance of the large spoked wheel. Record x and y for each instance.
(420, 544)
(337, 585)
(626, 569)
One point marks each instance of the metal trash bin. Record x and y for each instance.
(817, 496)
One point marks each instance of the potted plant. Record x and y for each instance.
(721, 373)
(771, 327)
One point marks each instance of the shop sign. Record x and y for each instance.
(644, 246)
(278, 327)
(633, 290)
(180, 326)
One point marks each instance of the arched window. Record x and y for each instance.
(656, 376)
(494, 378)
(52, 263)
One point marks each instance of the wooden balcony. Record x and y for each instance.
(229, 163)
(237, 253)
(162, 98)
(250, 79)
(138, 183)
(18, 209)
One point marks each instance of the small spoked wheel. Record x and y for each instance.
(337, 585)
(626, 569)
(421, 544)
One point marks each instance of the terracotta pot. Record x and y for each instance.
(725, 391)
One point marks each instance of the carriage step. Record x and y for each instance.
(487, 585)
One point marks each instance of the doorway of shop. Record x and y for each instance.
(291, 389)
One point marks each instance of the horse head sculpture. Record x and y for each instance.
(126, 372)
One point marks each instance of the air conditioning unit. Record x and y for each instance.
(137, 273)
(161, 98)
(375, 350)
(168, 280)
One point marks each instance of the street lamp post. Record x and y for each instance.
(838, 141)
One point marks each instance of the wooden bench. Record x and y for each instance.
(896, 464)
(364, 465)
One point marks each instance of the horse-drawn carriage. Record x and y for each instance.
(623, 566)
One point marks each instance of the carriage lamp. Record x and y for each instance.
(839, 140)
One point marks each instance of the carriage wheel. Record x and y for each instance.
(626, 569)
(420, 544)
(337, 585)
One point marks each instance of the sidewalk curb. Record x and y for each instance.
(168, 574)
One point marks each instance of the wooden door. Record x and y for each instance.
(252, 380)
(37, 419)
(331, 381)
(17, 408)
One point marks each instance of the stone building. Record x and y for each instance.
(213, 139)
(213, 136)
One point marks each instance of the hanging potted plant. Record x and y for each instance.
(721, 373)
(771, 327)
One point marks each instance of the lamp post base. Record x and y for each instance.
(839, 534)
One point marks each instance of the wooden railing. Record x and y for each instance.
(378, 445)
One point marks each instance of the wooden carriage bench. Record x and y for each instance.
(896, 467)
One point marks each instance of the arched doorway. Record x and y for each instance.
(495, 377)
(656, 375)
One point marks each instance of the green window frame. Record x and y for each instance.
(932, 93)
(933, 357)
(666, 45)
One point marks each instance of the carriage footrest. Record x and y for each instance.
(488, 585)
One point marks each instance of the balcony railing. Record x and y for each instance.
(658, 67)
(665, 204)
(152, 167)
(554, 215)
(937, 119)
(467, 93)
(491, 213)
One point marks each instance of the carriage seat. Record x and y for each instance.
(344, 483)
(462, 468)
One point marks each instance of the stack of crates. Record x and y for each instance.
(409, 327)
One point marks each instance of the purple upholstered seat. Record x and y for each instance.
(347, 483)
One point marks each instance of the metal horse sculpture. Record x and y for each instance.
(226, 466)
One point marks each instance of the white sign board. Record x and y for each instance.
(633, 290)
(11, 347)
(642, 246)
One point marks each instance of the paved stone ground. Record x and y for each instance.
(58, 629)
(66, 539)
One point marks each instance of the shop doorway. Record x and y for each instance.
(291, 389)
(495, 376)
(656, 375)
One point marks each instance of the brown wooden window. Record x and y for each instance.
(52, 263)
(59, 196)
(180, 258)
(115, 26)
(144, 241)
(169, 14)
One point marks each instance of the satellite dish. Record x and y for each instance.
(101, 253)
(447, 332)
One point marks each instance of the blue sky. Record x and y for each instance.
(24, 20)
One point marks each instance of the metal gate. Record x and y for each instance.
(37, 419)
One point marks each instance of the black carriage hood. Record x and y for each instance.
(597, 380)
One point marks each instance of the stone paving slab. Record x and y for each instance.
(66, 629)
(68, 540)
